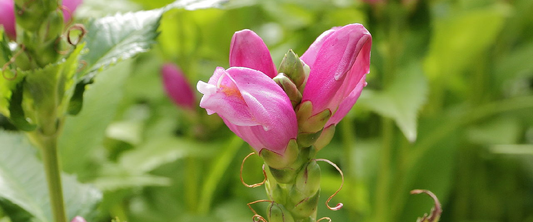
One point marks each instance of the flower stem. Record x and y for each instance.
(53, 177)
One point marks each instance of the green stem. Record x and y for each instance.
(192, 184)
(53, 176)
(383, 182)
(348, 140)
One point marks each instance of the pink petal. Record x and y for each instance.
(252, 105)
(177, 87)
(341, 61)
(347, 104)
(249, 50)
(7, 17)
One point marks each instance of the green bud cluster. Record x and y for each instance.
(39, 27)
(293, 178)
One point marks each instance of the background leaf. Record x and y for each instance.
(23, 183)
(401, 101)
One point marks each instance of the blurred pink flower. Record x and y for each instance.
(177, 87)
(7, 17)
(339, 60)
(7, 14)
(78, 219)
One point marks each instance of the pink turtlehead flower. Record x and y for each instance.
(252, 105)
(339, 60)
(78, 219)
(7, 14)
(255, 108)
(177, 87)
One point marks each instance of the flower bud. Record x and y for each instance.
(304, 208)
(78, 219)
(292, 67)
(308, 139)
(278, 161)
(290, 89)
(308, 179)
(177, 87)
(7, 17)
(278, 213)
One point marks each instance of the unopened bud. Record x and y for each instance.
(290, 89)
(177, 87)
(278, 213)
(308, 179)
(283, 176)
(78, 219)
(293, 67)
(306, 207)
(278, 161)
(308, 123)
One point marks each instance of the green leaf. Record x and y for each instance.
(49, 90)
(23, 183)
(83, 134)
(401, 101)
(458, 39)
(122, 36)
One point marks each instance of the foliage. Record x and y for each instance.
(448, 108)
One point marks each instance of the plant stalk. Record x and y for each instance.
(53, 177)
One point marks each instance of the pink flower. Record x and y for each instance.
(339, 60)
(252, 105)
(177, 87)
(7, 17)
(78, 219)
(249, 50)
(7, 14)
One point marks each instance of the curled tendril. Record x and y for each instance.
(256, 184)
(79, 27)
(339, 205)
(12, 60)
(435, 212)
(324, 218)
(256, 217)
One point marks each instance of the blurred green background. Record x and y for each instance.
(448, 108)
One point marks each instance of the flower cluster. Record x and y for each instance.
(301, 100)
(7, 14)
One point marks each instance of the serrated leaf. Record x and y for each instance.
(122, 36)
(402, 100)
(197, 4)
(23, 183)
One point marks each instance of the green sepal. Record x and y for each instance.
(281, 161)
(308, 139)
(290, 89)
(283, 176)
(309, 123)
(325, 137)
(306, 207)
(293, 68)
(278, 213)
(308, 179)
